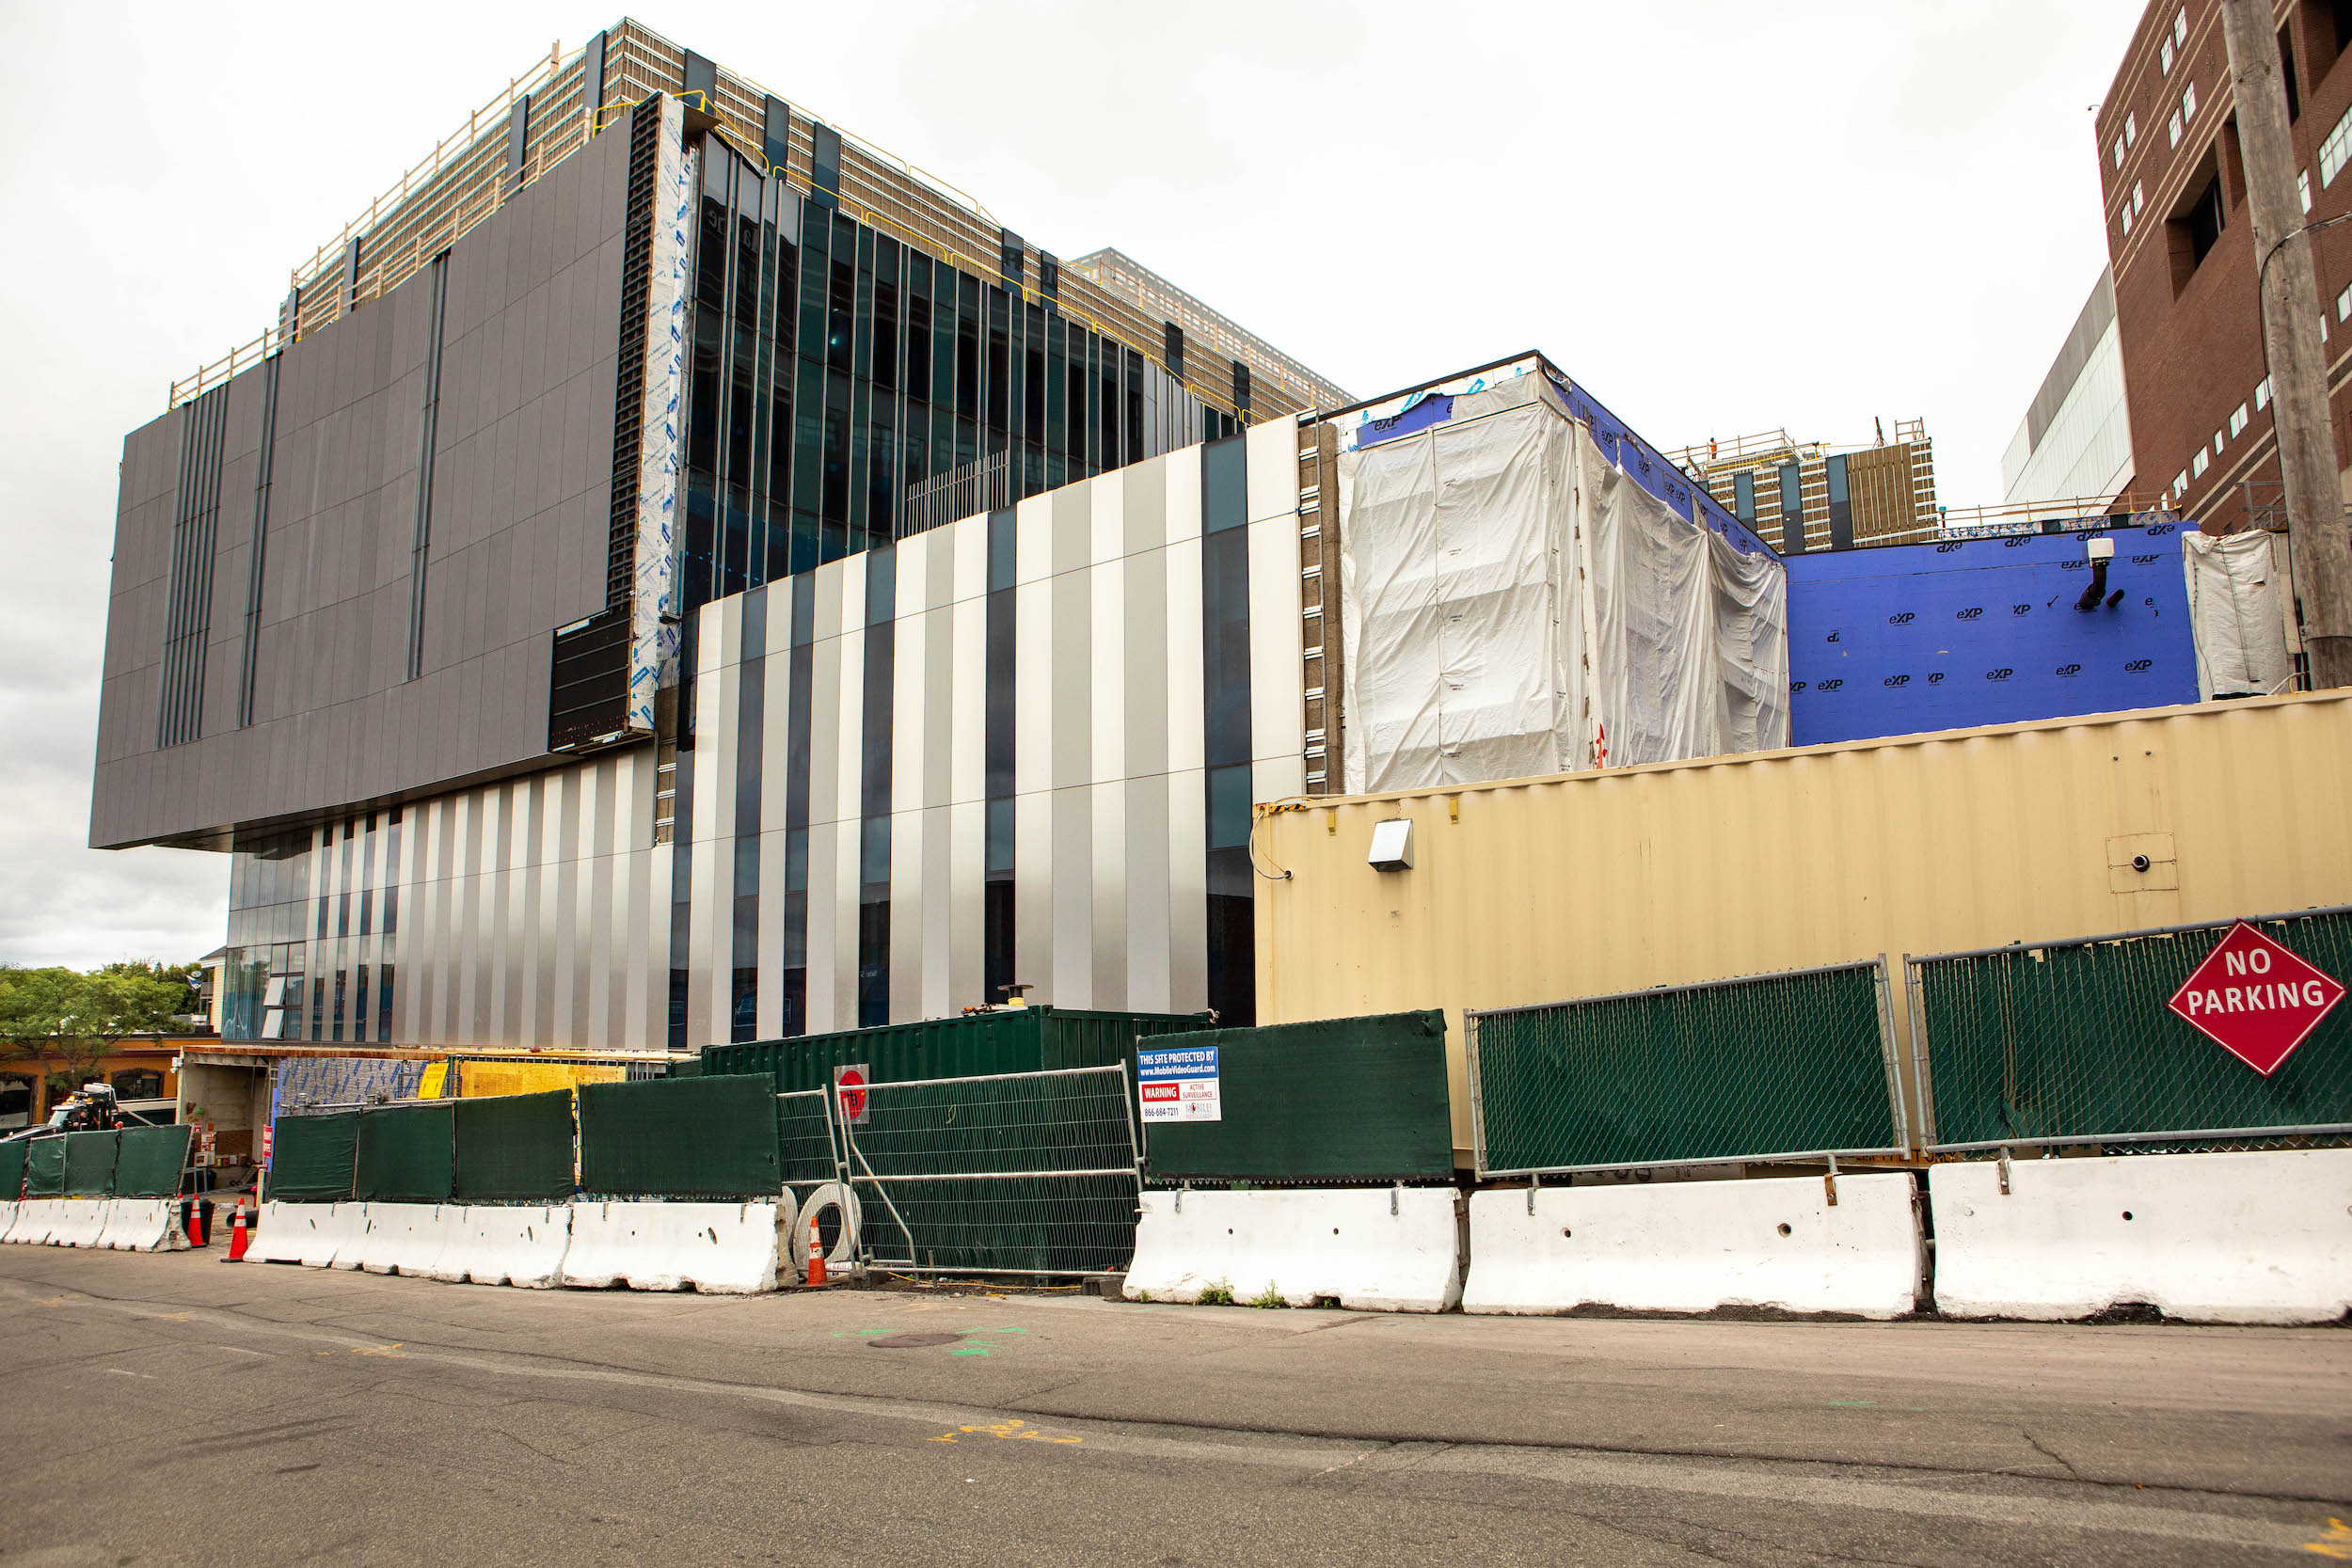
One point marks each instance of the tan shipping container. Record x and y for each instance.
(1587, 883)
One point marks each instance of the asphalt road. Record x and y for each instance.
(172, 1409)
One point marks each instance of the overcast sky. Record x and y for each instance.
(1723, 218)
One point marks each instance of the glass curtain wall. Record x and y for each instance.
(834, 366)
(314, 915)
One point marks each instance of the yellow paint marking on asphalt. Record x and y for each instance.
(2336, 1544)
(1016, 1429)
(392, 1350)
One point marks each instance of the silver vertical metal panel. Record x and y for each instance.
(829, 676)
(1187, 891)
(1033, 539)
(1107, 925)
(918, 879)
(1143, 658)
(1072, 511)
(1036, 652)
(944, 688)
(590, 1010)
(1143, 509)
(967, 710)
(847, 869)
(1272, 450)
(1145, 857)
(910, 680)
(711, 868)
(1073, 896)
(1186, 675)
(825, 872)
(1034, 868)
(964, 944)
(1071, 607)
(768, 1025)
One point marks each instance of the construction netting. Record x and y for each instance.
(89, 1164)
(407, 1154)
(307, 1081)
(11, 1171)
(1514, 604)
(312, 1158)
(151, 1159)
(44, 1168)
(515, 1147)
(2234, 615)
(681, 1137)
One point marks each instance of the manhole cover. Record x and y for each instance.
(913, 1341)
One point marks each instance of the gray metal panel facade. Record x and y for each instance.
(520, 500)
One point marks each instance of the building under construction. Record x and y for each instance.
(1813, 495)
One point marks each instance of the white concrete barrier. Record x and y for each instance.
(8, 1218)
(407, 1239)
(31, 1226)
(77, 1221)
(1304, 1244)
(1693, 1246)
(142, 1225)
(494, 1245)
(2256, 1236)
(718, 1248)
(310, 1234)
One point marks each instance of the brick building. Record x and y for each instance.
(2180, 237)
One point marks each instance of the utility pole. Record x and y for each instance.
(2298, 357)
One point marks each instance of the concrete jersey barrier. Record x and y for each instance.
(718, 1248)
(498, 1244)
(407, 1239)
(30, 1227)
(77, 1221)
(142, 1225)
(1304, 1244)
(305, 1233)
(1693, 1246)
(2244, 1237)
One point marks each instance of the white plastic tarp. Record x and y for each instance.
(1514, 604)
(2234, 615)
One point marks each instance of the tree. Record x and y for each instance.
(75, 1020)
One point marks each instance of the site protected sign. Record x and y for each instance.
(1179, 1085)
(2255, 997)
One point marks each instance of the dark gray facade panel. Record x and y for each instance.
(526, 400)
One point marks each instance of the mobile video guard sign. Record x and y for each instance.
(1179, 1085)
(2255, 997)
(848, 1087)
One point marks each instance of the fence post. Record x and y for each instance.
(1883, 988)
(1922, 1086)
(1477, 1101)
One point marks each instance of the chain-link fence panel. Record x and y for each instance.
(1780, 1066)
(44, 1168)
(407, 1154)
(11, 1171)
(2075, 1043)
(150, 1160)
(680, 1137)
(807, 1147)
(514, 1148)
(313, 1158)
(89, 1164)
(1016, 1173)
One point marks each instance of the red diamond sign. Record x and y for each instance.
(2256, 998)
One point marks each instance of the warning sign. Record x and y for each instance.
(2255, 997)
(848, 1087)
(1179, 1085)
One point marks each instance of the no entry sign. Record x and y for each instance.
(848, 1085)
(2255, 997)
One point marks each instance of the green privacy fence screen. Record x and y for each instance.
(1783, 1065)
(407, 1154)
(2073, 1042)
(150, 1161)
(1340, 1099)
(44, 1168)
(686, 1137)
(515, 1147)
(807, 1146)
(11, 1171)
(312, 1158)
(89, 1164)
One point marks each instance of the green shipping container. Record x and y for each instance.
(1009, 1039)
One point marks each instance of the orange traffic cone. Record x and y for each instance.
(238, 1237)
(816, 1257)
